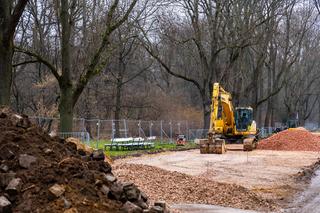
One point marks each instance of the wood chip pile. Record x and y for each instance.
(291, 140)
(176, 187)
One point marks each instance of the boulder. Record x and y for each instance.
(156, 209)
(57, 190)
(6, 153)
(116, 191)
(141, 204)
(162, 204)
(129, 207)
(104, 189)
(4, 168)
(72, 210)
(26, 161)
(132, 192)
(98, 155)
(5, 205)
(14, 187)
(5, 178)
(110, 178)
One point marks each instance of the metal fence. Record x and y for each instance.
(82, 136)
(98, 129)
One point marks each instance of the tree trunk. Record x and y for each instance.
(6, 54)
(66, 88)
(118, 109)
(66, 109)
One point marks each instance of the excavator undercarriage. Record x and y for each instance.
(216, 144)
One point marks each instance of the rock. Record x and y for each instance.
(5, 178)
(144, 196)
(156, 209)
(26, 161)
(141, 204)
(132, 192)
(98, 155)
(105, 190)
(72, 210)
(5, 205)
(81, 152)
(22, 121)
(100, 166)
(14, 187)
(110, 178)
(48, 151)
(116, 191)
(67, 204)
(56, 190)
(98, 183)
(129, 207)
(4, 168)
(162, 204)
(6, 153)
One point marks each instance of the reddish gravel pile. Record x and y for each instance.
(291, 140)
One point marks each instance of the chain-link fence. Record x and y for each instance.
(98, 129)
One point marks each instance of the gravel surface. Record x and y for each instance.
(175, 187)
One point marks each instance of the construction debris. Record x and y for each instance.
(176, 187)
(291, 140)
(39, 173)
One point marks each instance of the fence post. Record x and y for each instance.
(187, 131)
(98, 132)
(139, 125)
(125, 128)
(170, 123)
(150, 128)
(161, 136)
(113, 130)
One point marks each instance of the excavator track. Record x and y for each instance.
(249, 144)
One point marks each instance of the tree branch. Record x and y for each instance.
(93, 69)
(25, 62)
(39, 58)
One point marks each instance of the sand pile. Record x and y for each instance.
(291, 140)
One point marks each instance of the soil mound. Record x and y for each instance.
(177, 187)
(43, 174)
(291, 140)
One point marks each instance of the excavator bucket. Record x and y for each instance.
(212, 146)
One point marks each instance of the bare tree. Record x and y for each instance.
(10, 13)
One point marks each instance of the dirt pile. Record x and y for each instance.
(177, 187)
(291, 140)
(43, 174)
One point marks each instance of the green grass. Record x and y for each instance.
(123, 153)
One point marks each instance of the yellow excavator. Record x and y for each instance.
(228, 125)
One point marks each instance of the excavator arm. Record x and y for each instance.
(222, 112)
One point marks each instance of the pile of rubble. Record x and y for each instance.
(43, 174)
(177, 187)
(291, 140)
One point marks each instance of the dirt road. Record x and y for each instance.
(268, 173)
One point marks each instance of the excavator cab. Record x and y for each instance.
(243, 118)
